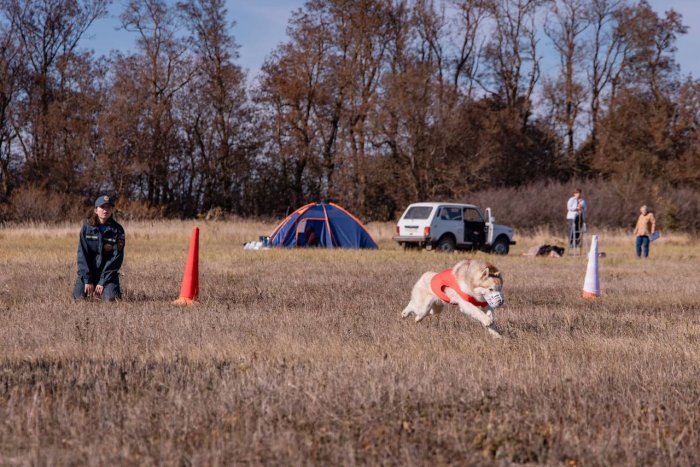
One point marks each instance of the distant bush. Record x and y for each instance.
(37, 205)
(214, 214)
(32, 204)
(138, 210)
(529, 208)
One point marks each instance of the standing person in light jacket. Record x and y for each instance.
(100, 253)
(645, 228)
(575, 216)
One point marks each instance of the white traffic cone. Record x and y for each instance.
(591, 285)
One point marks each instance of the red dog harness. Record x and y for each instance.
(447, 279)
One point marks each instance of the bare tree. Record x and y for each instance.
(162, 69)
(432, 30)
(216, 116)
(512, 53)
(48, 33)
(685, 168)
(322, 90)
(304, 104)
(638, 135)
(607, 52)
(651, 40)
(419, 97)
(565, 25)
(11, 72)
(367, 29)
(472, 14)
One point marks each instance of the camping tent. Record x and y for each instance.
(322, 225)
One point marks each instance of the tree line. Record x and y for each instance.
(369, 103)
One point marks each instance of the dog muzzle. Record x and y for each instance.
(494, 299)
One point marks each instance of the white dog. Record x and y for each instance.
(473, 285)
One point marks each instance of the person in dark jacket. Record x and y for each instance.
(100, 254)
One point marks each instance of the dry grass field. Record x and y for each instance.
(301, 357)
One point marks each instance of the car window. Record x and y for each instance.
(472, 215)
(418, 212)
(451, 214)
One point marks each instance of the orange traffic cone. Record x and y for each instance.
(190, 279)
(591, 285)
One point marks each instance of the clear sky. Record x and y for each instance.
(688, 44)
(261, 25)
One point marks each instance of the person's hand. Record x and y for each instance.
(89, 289)
(99, 289)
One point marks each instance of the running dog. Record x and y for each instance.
(472, 285)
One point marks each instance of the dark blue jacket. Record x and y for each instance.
(100, 255)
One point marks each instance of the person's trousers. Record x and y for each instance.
(575, 228)
(642, 243)
(111, 291)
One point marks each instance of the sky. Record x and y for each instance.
(688, 44)
(260, 25)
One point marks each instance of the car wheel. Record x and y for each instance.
(501, 246)
(446, 244)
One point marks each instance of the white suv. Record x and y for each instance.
(450, 226)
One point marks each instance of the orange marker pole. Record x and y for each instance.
(190, 279)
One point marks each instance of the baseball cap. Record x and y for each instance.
(104, 199)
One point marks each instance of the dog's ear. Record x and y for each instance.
(485, 274)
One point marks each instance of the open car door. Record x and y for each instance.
(474, 227)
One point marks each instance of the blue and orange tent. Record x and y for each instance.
(321, 225)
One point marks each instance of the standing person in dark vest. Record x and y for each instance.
(100, 253)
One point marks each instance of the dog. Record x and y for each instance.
(474, 286)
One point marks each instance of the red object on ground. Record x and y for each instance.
(190, 279)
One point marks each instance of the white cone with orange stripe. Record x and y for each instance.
(591, 285)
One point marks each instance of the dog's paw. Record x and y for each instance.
(495, 334)
(405, 313)
(487, 320)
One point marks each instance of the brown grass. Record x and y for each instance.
(300, 357)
